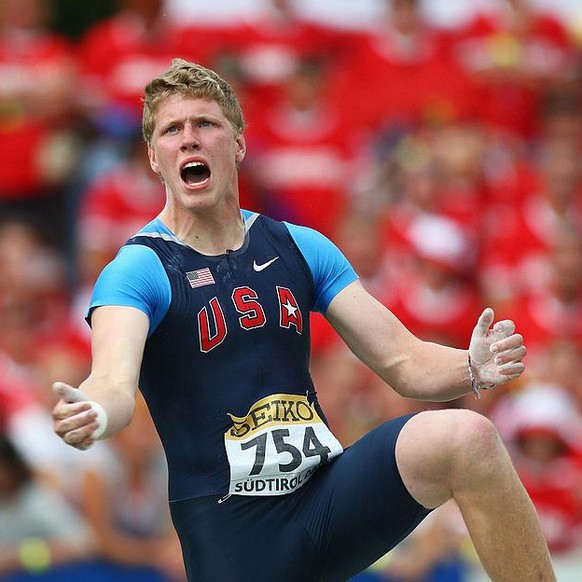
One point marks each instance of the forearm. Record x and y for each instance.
(116, 398)
(419, 369)
(104, 403)
(414, 368)
(428, 371)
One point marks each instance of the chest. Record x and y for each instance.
(263, 289)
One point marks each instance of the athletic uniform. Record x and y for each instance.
(226, 376)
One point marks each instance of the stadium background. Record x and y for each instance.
(437, 143)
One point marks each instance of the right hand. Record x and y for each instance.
(75, 420)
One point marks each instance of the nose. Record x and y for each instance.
(190, 138)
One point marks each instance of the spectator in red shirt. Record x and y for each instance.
(515, 53)
(543, 427)
(436, 298)
(407, 67)
(528, 217)
(269, 46)
(303, 151)
(118, 56)
(553, 310)
(36, 80)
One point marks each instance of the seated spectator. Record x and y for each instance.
(114, 206)
(33, 297)
(37, 72)
(515, 52)
(36, 336)
(526, 219)
(119, 55)
(299, 151)
(269, 46)
(552, 309)
(127, 508)
(41, 533)
(407, 65)
(543, 429)
(436, 298)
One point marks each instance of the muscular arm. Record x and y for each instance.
(118, 339)
(419, 369)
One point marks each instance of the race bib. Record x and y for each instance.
(277, 446)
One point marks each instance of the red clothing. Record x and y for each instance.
(519, 234)
(26, 59)
(542, 319)
(389, 82)
(119, 56)
(17, 391)
(302, 161)
(447, 315)
(555, 490)
(514, 67)
(267, 51)
(117, 205)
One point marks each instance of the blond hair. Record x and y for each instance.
(191, 80)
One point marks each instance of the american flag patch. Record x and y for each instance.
(200, 277)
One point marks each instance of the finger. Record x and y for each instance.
(507, 344)
(512, 369)
(64, 412)
(80, 439)
(484, 322)
(75, 422)
(510, 355)
(68, 393)
(504, 328)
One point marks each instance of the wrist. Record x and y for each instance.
(99, 432)
(476, 384)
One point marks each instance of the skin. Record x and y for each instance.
(206, 216)
(441, 454)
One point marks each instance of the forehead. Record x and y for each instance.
(179, 106)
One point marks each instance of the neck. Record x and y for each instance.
(207, 234)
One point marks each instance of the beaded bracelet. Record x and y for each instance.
(476, 386)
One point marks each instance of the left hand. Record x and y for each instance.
(496, 352)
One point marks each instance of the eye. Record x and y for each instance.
(171, 129)
(205, 123)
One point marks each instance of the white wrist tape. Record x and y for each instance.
(101, 419)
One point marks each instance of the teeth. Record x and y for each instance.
(192, 165)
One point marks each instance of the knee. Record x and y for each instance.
(441, 451)
(469, 433)
(475, 451)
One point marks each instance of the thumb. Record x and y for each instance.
(484, 322)
(68, 393)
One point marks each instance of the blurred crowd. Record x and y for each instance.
(443, 161)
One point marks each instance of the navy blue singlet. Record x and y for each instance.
(226, 365)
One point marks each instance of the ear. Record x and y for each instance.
(241, 148)
(152, 158)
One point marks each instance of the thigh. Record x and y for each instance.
(357, 508)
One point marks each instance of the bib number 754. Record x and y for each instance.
(311, 447)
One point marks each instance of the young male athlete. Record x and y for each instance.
(207, 310)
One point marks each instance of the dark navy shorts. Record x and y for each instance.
(349, 514)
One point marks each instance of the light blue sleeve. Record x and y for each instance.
(330, 269)
(135, 278)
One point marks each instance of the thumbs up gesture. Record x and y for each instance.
(78, 420)
(496, 352)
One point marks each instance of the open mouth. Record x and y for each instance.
(195, 173)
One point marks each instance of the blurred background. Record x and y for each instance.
(438, 143)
